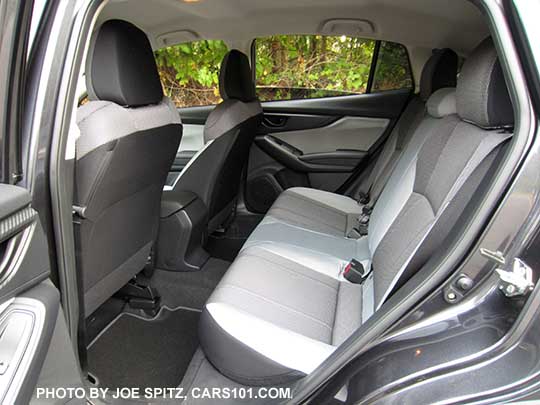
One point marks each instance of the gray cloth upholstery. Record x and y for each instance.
(123, 156)
(123, 69)
(214, 173)
(442, 103)
(286, 299)
(227, 116)
(482, 95)
(317, 210)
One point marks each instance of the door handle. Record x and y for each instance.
(274, 121)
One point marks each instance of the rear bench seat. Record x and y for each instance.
(284, 306)
(336, 214)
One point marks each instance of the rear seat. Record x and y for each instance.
(335, 214)
(281, 309)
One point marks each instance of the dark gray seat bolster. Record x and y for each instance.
(239, 362)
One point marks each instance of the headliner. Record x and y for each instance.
(415, 23)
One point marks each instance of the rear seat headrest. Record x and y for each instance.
(439, 71)
(482, 96)
(442, 103)
(235, 79)
(122, 67)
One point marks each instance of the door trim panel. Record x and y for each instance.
(33, 313)
(347, 133)
(338, 161)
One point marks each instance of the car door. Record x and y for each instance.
(35, 349)
(329, 102)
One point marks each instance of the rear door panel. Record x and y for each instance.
(317, 143)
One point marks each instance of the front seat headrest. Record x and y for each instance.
(122, 66)
(440, 71)
(482, 96)
(235, 79)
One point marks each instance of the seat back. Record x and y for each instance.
(214, 174)
(129, 137)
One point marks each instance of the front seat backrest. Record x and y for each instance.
(214, 174)
(129, 137)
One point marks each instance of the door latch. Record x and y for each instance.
(517, 281)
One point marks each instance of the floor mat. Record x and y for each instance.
(136, 352)
(189, 289)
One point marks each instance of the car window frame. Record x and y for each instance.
(371, 76)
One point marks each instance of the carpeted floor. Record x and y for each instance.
(136, 352)
(188, 289)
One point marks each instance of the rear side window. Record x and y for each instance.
(189, 72)
(289, 67)
(392, 71)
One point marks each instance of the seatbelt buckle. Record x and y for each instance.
(355, 272)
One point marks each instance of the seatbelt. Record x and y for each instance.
(369, 194)
(486, 146)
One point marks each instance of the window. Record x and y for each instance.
(393, 70)
(189, 72)
(292, 67)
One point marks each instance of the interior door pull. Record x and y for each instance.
(274, 121)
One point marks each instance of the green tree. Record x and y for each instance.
(189, 72)
(287, 67)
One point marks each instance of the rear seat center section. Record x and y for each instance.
(284, 306)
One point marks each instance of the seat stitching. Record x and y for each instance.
(290, 270)
(317, 220)
(234, 286)
(316, 203)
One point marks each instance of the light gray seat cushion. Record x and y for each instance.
(289, 315)
(317, 210)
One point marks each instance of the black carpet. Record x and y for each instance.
(188, 289)
(135, 352)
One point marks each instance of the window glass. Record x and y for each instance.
(189, 72)
(311, 66)
(393, 70)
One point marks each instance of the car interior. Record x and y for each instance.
(242, 242)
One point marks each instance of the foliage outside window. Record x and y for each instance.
(287, 67)
(393, 70)
(310, 66)
(189, 72)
